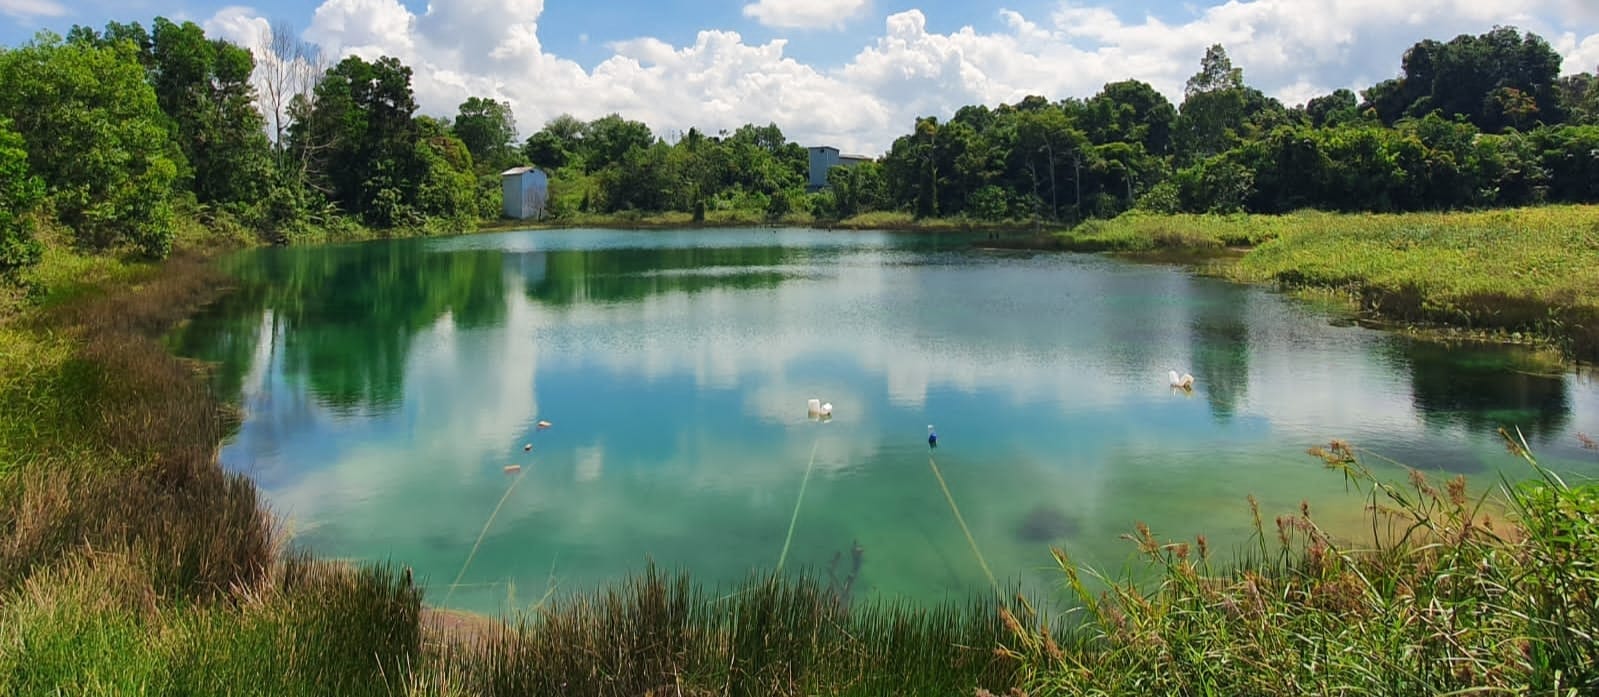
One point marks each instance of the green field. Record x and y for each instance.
(1533, 272)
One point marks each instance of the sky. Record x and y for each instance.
(853, 74)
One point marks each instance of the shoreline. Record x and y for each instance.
(1444, 289)
(1212, 245)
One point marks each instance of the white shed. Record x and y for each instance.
(526, 191)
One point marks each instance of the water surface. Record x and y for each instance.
(386, 385)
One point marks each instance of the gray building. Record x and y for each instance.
(825, 157)
(526, 191)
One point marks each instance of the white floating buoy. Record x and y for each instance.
(543, 425)
(1184, 381)
(513, 468)
(527, 447)
(827, 409)
(813, 407)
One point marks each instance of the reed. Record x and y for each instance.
(774, 635)
(1444, 598)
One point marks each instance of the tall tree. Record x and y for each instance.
(1579, 97)
(360, 135)
(1332, 109)
(488, 129)
(1497, 80)
(1130, 111)
(290, 68)
(607, 140)
(204, 87)
(1215, 104)
(94, 136)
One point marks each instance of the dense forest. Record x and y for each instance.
(117, 135)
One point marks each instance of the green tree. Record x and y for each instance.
(912, 167)
(1497, 80)
(19, 192)
(1333, 109)
(359, 138)
(488, 129)
(544, 149)
(204, 87)
(1130, 111)
(1578, 96)
(606, 140)
(1214, 108)
(1054, 155)
(94, 136)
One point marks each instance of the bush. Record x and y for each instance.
(19, 192)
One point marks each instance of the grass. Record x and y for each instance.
(1514, 275)
(1145, 232)
(663, 635)
(902, 220)
(1443, 598)
(1532, 271)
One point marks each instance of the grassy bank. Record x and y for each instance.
(1512, 274)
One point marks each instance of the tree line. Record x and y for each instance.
(118, 135)
(1478, 121)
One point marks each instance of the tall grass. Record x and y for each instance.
(903, 220)
(1141, 232)
(1443, 598)
(1530, 271)
(130, 562)
(96, 625)
(656, 634)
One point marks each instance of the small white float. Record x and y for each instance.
(1184, 381)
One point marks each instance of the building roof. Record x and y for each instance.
(518, 170)
(847, 156)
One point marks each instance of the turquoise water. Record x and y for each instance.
(385, 386)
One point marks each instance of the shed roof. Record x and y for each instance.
(518, 170)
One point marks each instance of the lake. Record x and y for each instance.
(386, 386)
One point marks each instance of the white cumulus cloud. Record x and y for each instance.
(804, 14)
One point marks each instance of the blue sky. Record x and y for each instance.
(854, 73)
